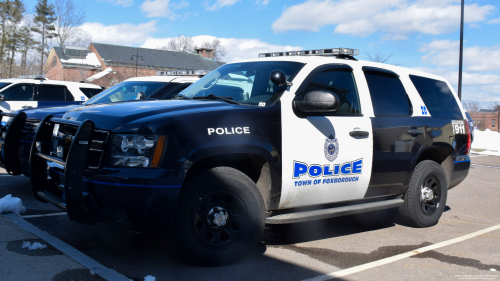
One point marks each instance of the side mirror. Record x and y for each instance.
(141, 96)
(318, 102)
(2, 97)
(278, 77)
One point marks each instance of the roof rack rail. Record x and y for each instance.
(182, 73)
(37, 77)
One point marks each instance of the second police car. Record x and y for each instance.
(288, 137)
(16, 139)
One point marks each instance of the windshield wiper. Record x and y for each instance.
(213, 97)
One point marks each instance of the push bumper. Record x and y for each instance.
(461, 167)
(108, 194)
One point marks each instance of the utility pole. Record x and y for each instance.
(136, 58)
(460, 60)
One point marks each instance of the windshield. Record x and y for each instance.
(247, 82)
(127, 90)
(3, 85)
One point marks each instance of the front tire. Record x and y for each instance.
(425, 199)
(220, 217)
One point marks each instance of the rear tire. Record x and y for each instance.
(220, 217)
(425, 199)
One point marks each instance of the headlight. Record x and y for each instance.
(145, 151)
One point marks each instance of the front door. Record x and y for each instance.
(326, 157)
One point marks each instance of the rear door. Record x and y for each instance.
(326, 157)
(398, 138)
(53, 95)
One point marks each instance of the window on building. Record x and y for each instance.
(54, 61)
(388, 94)
(437, 97)
(478, 123)
(492, 122)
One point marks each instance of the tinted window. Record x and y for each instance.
(3, 85)
(340, 82)
(19, 93)
(51, 93)
(90, 92)
(389, 97)
(437, 97)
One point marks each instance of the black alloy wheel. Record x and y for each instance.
(219, 219)
(431, 188)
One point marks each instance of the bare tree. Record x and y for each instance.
(69, 17)
(380, 58)
(471, 106)
(180, 44)
(495, 106)
(219, 52)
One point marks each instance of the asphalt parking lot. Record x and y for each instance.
(313, 249)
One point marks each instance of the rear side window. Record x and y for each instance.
(53, 93)
(437, 97)
(90, 92)
(389, 97)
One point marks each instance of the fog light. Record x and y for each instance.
(130, 161)
(59, 152)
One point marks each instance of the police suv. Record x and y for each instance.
(30, 91)
(288, 137)
(16, 138)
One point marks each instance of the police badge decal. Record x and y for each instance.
(331, 148)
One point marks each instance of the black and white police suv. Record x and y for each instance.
(17, 135)
(288, 137)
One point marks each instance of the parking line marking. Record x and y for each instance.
(487, 166)
(363, 267)
(71, 252)
(44, 215)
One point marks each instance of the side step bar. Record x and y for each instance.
(52, 199)
(333, 212)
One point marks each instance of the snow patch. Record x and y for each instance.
(11, 204)
(99, 75)
(492, 269)
(34, 246)
(486, 142)
(90, 59)
(150, 278)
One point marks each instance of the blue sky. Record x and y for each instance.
(420, 34)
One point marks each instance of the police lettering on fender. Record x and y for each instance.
(229, 131)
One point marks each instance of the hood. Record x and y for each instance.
(130, 117)
(40, 113)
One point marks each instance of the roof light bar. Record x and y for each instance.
(319, 52)
(182, 73)
(32, 76)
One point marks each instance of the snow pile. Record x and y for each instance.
(11, 204)
(149, 278)
(99, 75)
(90, 59)
(487, 141)
(34, 246)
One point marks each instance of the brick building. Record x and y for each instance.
(485, 119)
(107, 65)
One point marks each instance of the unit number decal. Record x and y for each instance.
(458, 127)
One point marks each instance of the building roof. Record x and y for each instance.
(86, 58)
(113, 54)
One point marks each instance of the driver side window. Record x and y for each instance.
(19, 93)
(340, 82)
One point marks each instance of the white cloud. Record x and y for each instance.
(397, 19)
(124, 3)
(162, 8)
(120, 34)
(494, 21)
(237, 48)
(263, 2)
(446, 52)
(220, 3)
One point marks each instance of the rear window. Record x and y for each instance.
(90, 92)
(389, 97)
(437, 97)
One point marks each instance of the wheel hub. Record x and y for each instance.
(217, 217)
(427, 194)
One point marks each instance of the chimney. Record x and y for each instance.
(205, 52)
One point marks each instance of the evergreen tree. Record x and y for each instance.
(44, 25)
(26, 43)
(5, 17)
(13, 42)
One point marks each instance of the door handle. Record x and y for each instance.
(415, 131)
(362, 134)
